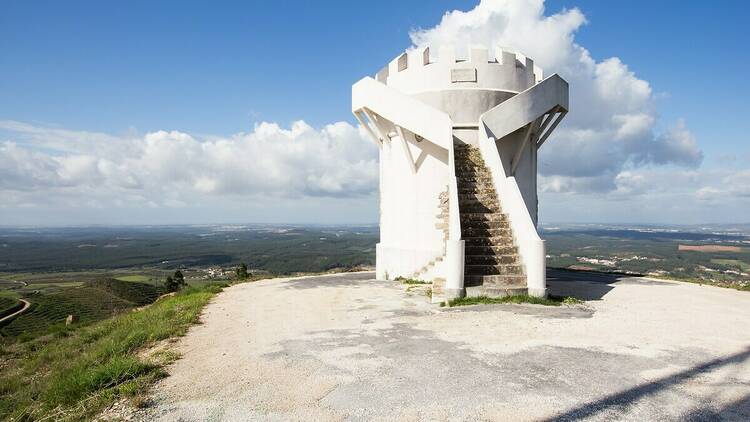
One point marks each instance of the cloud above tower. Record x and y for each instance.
(611, 127)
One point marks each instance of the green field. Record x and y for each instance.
(653, 252)
(136, 278)
(277, 249)
(91, 301)
(50, 269)
(733, 263)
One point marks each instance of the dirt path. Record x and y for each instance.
(348, 347)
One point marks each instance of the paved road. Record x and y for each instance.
(351, 348)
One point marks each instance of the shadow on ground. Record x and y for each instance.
(621, 402)
(587, 285)
(334, 280)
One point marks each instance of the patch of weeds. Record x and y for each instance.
(570, 300)
(428, 293)
(404, 280)
(485, 300)
(166, 357)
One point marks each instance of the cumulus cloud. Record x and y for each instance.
(731, 185)
(611, 128)
(169, 168)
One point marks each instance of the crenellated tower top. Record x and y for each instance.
(418, 70)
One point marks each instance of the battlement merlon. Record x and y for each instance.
(418, 70)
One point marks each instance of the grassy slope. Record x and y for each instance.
(74, 374)
(92, 301)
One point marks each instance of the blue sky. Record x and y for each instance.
(215, 70)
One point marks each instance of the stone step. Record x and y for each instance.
(478, 208)
(468, 167)
(467, 152)
(473, 190)
(473, 229)
(491, 259)
(495, 292)
(497, 281)
(477, 224)
(473, 202)
(487, 186)
(490, 250)
(488, 241)
(472, 187)
(502, 269)
(467, 155)
(485, 199)
(471, 178)
(470, 232)
(479, 196)
(462, 155)
(482, 216)
(472, 173)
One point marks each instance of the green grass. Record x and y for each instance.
(485, 300)
(404, 280)
(9, 294)
(75, 373)
(136, 278)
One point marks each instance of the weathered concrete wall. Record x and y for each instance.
(409, 206)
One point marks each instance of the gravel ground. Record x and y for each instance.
(348, 347)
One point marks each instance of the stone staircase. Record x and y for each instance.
(491, 266)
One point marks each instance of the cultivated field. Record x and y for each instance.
(74, 270)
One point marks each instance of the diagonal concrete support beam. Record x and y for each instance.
(532, 130)
(360, 116)
(526, 107)
(403, 110)
(407, 151)
(544, 137)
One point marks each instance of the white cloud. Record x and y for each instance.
(733, 185)
(164, 169)
(611, 127)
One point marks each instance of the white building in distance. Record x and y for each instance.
(458, 141)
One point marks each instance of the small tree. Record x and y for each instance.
(179, 279)
(171, 285)
(242, 271)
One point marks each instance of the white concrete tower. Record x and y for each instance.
(458, 141)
